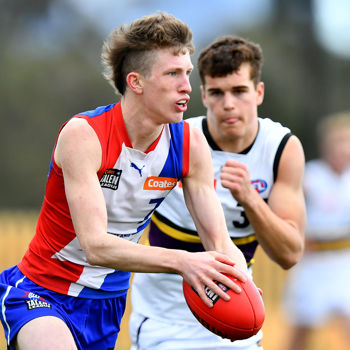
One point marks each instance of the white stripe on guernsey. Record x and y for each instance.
(72, 252)
(91, 276)
(20, 281)
(75, 289)
(3, 307)
(134, 203)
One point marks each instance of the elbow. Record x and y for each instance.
(291, 259)
(92, 258)
(288, 262)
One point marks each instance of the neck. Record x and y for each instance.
(233, 143)
(141, 130)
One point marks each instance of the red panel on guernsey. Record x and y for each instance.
(55, 228)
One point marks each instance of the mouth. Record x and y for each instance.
(181, 105)
(231, 120)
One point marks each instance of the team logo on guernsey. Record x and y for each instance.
(110, 179)
(159, 183)
(259, 185)
(35, 301)
(133, 165)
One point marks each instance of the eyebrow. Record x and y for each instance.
(238, 87)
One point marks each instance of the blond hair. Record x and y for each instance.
(130, 47)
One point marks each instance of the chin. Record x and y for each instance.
(177, 118)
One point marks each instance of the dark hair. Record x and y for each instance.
(225, 56)
(130, 47)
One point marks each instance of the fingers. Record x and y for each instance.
(217, 287)
(229, 267)
(236, 273)
(211, 290)
(234, 178)
(212, 275)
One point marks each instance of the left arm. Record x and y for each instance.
(203, 202)
(280, 224)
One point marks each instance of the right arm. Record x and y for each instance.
(79, 154)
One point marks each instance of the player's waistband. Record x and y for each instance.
(330, 245)
(166, 234)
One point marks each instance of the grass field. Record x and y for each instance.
(16, 230)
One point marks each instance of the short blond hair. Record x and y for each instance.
(333, 122)
(130, 47)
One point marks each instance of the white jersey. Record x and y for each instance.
(158, 298)
(262, 160)
(322, 272)
(328, 202)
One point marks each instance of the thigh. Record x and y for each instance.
(94, 324)
(44, 333)
(21, 306)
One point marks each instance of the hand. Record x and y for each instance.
(204, 268)
(236, 177)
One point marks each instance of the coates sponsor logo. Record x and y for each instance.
(159, 183)
(259, 185)
(35, 301)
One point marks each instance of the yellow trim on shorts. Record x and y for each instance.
(186, 237)
(332, 245)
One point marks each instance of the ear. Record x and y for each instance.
(204, 96)
(260, 91)
(135, 82)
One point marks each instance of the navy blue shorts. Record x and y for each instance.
(94, 323)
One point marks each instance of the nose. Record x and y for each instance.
(185, 84)
(228, 101)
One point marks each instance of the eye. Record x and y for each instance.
(215, 92)
(240, 91)
(172, 74)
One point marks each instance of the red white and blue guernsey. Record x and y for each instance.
(134, 184)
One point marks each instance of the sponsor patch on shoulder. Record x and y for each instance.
(110, 179)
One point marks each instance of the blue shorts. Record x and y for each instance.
(94, 323)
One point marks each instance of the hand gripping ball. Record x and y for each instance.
(239, 318)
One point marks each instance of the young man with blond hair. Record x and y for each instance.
(108, 173)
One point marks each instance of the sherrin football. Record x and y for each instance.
(239, 318)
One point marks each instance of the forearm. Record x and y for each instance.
(211, 226)
(281, 239)
(116, 253)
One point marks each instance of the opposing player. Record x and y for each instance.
(258, 167)
(111, 167)
(317, 289)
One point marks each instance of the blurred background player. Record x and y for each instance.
(318, 288)
(258, 167)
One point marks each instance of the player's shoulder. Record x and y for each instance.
(316, 166)
(98, 111)
(270, 126)
(195, 121)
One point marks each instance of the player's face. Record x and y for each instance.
(231, 103)
(336, 149)
(166, 90)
